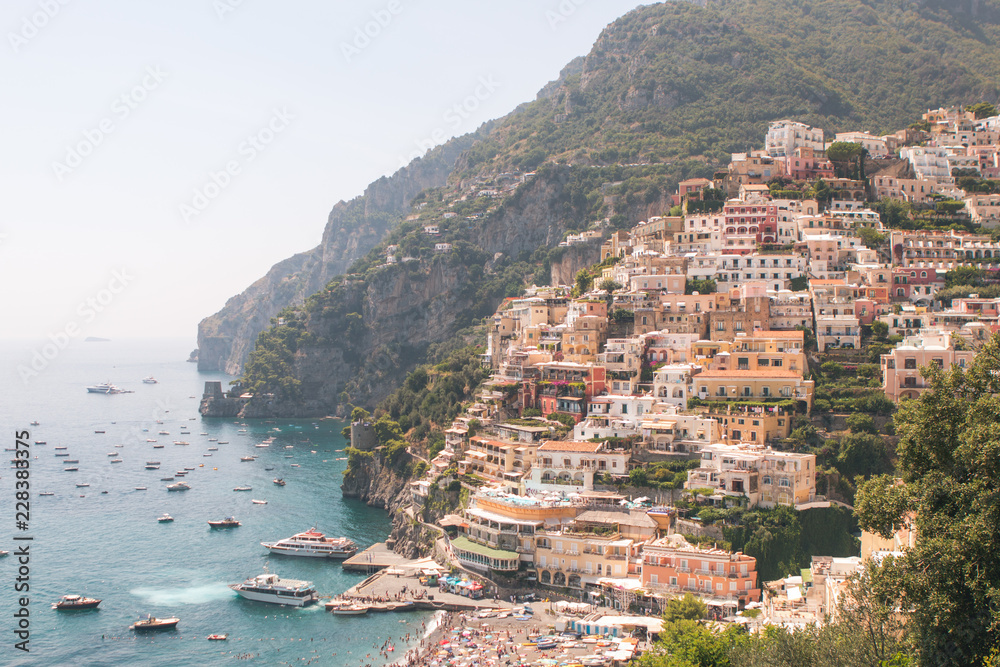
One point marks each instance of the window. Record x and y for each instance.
(910, 363)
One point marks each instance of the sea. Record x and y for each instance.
(103, 540)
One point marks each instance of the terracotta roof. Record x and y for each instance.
(570, 446)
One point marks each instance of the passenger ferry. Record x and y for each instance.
(314, 544)
(271, 588)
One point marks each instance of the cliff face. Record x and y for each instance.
(226, 338)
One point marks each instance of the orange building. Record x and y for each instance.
(710, 573)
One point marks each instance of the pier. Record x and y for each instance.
(377, 557)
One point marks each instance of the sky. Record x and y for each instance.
(159, 157)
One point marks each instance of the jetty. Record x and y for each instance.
(377, 557)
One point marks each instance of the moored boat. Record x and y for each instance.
(153, 623)
(166, 518)
(269, 587)
(179, 486)
(218, 638)
(279, 482)
(73, 602)
(228, 522)
(345, 608)
(150, 380)
(314, 544)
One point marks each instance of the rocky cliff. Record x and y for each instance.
(352, 229)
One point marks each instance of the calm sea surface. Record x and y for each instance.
(110, 545)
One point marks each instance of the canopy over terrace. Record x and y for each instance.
(483, 557)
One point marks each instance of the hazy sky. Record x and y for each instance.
(159, 157)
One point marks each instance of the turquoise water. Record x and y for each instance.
(110, 546)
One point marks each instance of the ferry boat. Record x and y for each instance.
(228, 522)
(179, 486)
(150, 380)
(71, 602)
(105, 388)
(269, 587)
(153, 623)
(314, 544)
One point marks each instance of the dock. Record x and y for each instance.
(376, 557)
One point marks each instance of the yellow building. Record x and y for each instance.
(753, 385)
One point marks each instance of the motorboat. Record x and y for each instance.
(82, 486)
(259, 502)
(243, 488)
(345, 608)
(179, 486)
(152, 623)
(228, 522)
(166, 479)
(74, 602)
(34, 423)
(99, 431)
(181, 442)
(314, 544)
(112, 453)
(269, 587)
(71, 469)
(140, 488)
(150, 380)
(166, 518)
(151, 467)
(279, 482)
(246, 459)
(115, 461)
(46, 493)
(104, 388)
(218, 637)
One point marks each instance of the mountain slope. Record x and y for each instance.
(666, 93)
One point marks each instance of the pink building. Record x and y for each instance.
(901, 376)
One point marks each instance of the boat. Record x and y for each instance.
(119, 446)
(213, 449)
(46, 493)
(62, 453)
(153, 623)
(218, 638)
(157, 446)
(166, 479)
(3, 553)
(104, 388)
(152, 467)
(187, 468)
(115, 461)
(259, 502)
(34, 423)
(223, 442)
(73, 602)
(166, 518)
(228, 522)
(294, 465)
(279, 482)
(163, 433)
(152, 463)
(82, 486)
(315, 544)
(345, 608)
(181, 442)
(99, 431)
(207, 454)
(211, 439)
(58, 448)
(269, 468)
(150, 440)
(149, 380)
(243, 488)
(246, 459)
(40, 442)
(140, 488)
(269, 587)
(112, 453)
(179, 486)
(70, 469)
(71, 461)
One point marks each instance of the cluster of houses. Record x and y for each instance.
(586, 387)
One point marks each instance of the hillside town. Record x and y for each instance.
(694, 344)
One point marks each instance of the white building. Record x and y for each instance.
(784, 136)
(570, 466)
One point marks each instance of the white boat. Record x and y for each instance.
(140, 488)
(181, 442)
(314, 544)
(46, 493)
(166, 518)
(269, 587)
(152, 467)
(34, 423)
(115, 461)
(153, 623)
(70, 469)
(345, 608)
(149, 380)
(259, 502)
(179, 486)
(105, 388)
(246, 459)
(243, 488)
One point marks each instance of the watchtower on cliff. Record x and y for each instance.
(363, 436)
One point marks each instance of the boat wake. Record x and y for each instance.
(172, 597)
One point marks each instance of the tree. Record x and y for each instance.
(843, 151)
(686, 643)
(863, 454)
(707, 286)
(861, 423)
(964, 275)
(949, 459)
(583, 281)
(689, 607)
(871, 238)
(609, 285)
(359, 415)
(880, 330)
(638, 477)
(982, 109)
